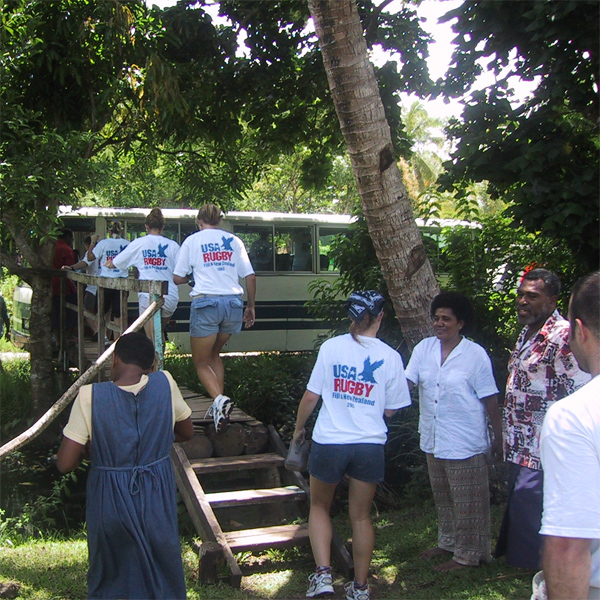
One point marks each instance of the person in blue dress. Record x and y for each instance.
(128, 426)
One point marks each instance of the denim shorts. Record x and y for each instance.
(330, 462)
(210, 315)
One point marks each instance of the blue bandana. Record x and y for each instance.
(360, 303)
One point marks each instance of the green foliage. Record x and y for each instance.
(486, 265)
(8, 283)
(541, 156)
(15, 395)
(42, 517)
(267, 386)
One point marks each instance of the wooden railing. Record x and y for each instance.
(156, 289)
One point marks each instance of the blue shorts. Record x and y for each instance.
(330, 462)
(210, 315)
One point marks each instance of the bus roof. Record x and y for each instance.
(257, 217)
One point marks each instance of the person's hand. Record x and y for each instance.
(497, 451)
(249, 316)
(109, 263)
(95, 238)
(298, 436)
(67, 268)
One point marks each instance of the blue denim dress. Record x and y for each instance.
(131, 512)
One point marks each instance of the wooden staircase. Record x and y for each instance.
(214, 487)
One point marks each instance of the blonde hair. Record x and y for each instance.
(209, 214)
(155, 220)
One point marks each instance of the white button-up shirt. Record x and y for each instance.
(452, 418)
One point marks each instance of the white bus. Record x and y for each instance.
(288, 252)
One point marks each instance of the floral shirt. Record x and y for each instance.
(541, 371)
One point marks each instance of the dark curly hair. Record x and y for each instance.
(135, 349)
(458, 303)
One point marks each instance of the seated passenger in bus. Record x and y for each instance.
(302, 253)
(261, 253)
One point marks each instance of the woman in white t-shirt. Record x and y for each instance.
(360, 379)
(216, 260)
(154, 256)
(457, 396)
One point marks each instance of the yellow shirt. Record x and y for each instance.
(79, 427)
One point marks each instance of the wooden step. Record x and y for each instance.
(267, 537)
(223, 464)
(261, 496)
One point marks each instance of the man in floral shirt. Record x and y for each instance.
(542, 370)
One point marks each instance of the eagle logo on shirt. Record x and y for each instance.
(369, 369)
(227, 243)
(161, 251)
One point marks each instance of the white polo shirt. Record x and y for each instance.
(452, 418)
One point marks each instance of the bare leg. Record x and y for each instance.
(202, 349)
(216, 363)
(320, 530)
(360, 498)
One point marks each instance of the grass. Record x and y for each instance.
(50, 569)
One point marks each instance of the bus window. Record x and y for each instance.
(294, 248)
(135, 229)
(186, 229)
(326, 236)
(258, 240)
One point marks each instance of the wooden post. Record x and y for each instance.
(80, 327)
(158, 335)
(210, 554)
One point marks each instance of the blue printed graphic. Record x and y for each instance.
(369, 370)
(227, 243)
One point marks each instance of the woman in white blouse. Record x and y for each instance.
(457, 396)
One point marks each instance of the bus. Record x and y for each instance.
(288, 253)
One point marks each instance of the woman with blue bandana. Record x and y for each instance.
(360, 379)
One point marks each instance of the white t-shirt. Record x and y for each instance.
(109, 248)
(570, 449)
(452, 418)
(357, 383)
(155, 257)
(91, 269)
(218, 260)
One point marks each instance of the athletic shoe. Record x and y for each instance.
(353, 594)
(220, 410)
(319, 585)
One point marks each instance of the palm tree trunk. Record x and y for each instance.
(386, 206)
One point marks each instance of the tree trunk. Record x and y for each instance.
(386, 206)
(40, 347)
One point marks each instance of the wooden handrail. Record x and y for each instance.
(64, 401)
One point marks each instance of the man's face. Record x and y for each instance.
(534, 305)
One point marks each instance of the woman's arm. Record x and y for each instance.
(305, 409)
(493, 411)
(184, 430)
(69, 456)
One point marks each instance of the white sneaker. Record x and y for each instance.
(353, 594)
(319, 585)
(220, 410)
